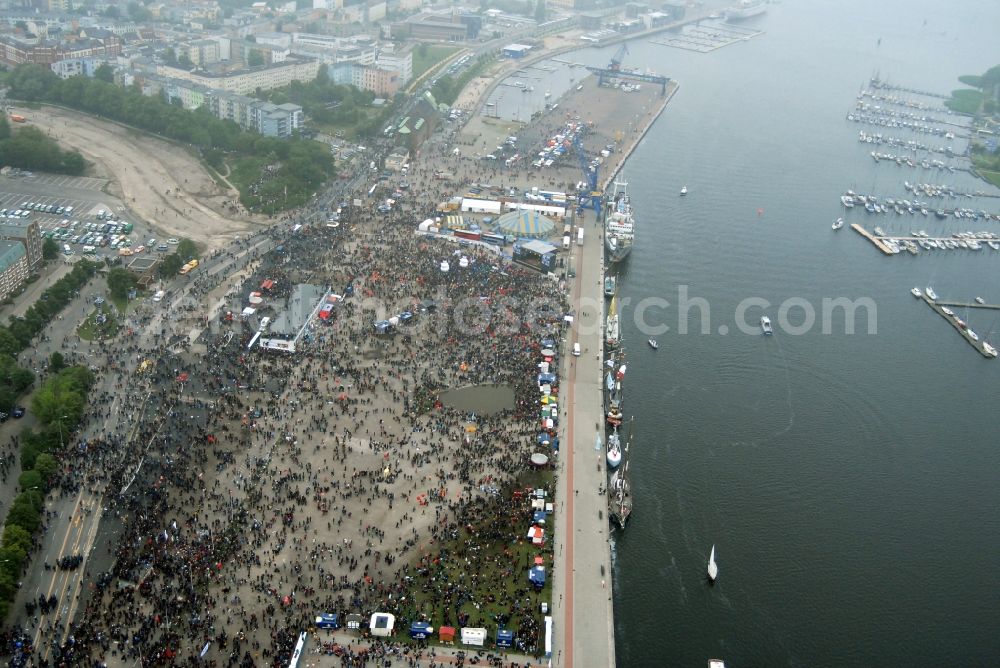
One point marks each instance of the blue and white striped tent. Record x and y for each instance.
(525, 223)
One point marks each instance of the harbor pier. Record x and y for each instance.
(582, 596)
(966, 333)
(878, 243)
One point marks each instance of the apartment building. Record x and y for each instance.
(16, 50)
(28, 233)
(247, 81)
(200, 52)
(13, 267)
(270, 120)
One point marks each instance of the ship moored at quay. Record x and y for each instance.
(619, 224)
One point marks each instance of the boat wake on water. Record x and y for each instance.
(756, 442)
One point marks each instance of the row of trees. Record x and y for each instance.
(30, 148)
(59, 406)
(17, 335)
(983, 96)
(447, 88)
(298, 165)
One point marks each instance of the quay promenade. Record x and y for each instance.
(582, 593)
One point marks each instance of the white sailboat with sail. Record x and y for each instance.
(713, 568)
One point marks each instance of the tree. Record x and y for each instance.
(540, 11)
(57, 406)
(9, 345)
(185, 62)
(5, 126)
(171, 265)
(20, 379)
(112, 12)
(255, 59)
(120, 282)
(17, 538)
(56, 362)
(11, 560)
(105, 73)
(187, 250)
(169, 56)
(31, 479)
(23, 514)
(138, 12)
(46, 465)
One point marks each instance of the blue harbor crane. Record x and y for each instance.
(592, 196)
(614, 71)
(616, 60)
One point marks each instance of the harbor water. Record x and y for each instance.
(848, 481)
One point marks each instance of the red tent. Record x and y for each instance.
(447, 633)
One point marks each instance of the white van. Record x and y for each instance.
(160, 294)
(566, 242)
(576, 349)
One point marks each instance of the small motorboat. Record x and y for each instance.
(652, 343)
(930, 292)
(916, 292)
(980, 300)
(684, 190)
(765, 324)
(837, 224)
(614, 449)
(713, 568)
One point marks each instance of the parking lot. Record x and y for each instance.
(78, 215)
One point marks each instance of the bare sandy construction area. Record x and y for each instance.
(158, 180)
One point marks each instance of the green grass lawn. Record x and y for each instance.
(124, 304)
(92, 329)
(488, 574)
(427, 57)
(244, 172)
(992, 177)
(349, 131)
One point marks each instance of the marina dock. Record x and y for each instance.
(995, 307)
(977, 343)
(706, 38)
(890, 243)
(877, 242)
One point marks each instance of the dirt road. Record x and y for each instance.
(159, 181)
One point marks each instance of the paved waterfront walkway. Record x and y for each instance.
(582, 594)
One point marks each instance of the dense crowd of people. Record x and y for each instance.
(242, 492)
(260, 488)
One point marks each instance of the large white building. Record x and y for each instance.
(358, 61)
(246, 81)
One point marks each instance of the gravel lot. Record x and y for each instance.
(159, 181)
